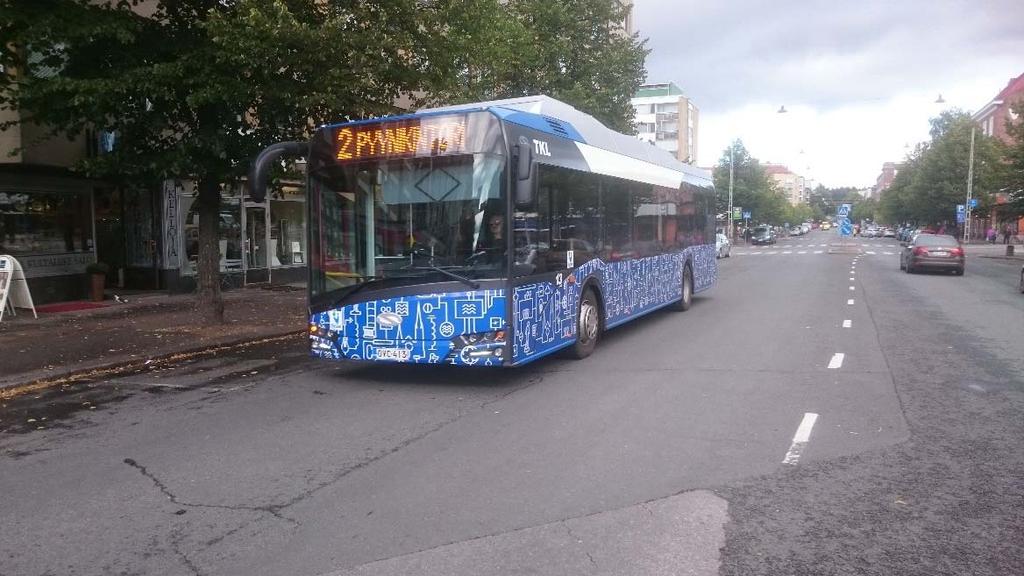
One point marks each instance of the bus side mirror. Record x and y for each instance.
(261, 166)
(524, 181)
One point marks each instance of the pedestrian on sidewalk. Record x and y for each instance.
(990, 235)
(1006, 233)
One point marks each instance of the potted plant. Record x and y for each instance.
(97, 272)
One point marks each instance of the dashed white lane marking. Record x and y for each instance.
(822, 245)
(800, 439)
(801, 251)
(889, 253)
(849, 302)
(853, 287)
(976, 388)
(787, 252)
(836, 361)
(818, 251)
(870, 252)
(852, 278)
(772, 252)
(847, 323)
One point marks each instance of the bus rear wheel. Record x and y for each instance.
(588, 325)
(684, 303)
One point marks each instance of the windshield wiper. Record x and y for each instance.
(424, 254)
(355, 288)
(468, 281)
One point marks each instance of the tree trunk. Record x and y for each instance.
(209, 302)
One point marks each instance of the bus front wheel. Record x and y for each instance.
(588, 325)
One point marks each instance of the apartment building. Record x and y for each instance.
(668, 119)
(793, 185)
(993, 116)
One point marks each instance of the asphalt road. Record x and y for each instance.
(775, 428)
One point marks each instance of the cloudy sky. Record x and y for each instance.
(858, 77)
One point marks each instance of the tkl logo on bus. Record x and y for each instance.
(540, 148)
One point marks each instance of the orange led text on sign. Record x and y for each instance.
(356, 143)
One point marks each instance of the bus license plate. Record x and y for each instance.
(399, 354)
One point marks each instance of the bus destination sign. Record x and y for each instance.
(413, 137)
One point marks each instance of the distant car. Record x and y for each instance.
(763, 235)
(722, 246)
(888, 233)
(825, 225)
(933, 252)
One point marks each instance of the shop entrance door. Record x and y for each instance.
(256, 247)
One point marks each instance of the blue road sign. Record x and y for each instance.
(746, 214)
(959, 208)
(844, 210)
(973, 202)
(960, 217)
(845, 227)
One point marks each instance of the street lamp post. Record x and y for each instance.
(728, 214)
(970, 189)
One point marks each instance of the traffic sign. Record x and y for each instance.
(961, 213)
(746, 214)
(845, 227)
(844, 210)
(736, 212)
(973, 203)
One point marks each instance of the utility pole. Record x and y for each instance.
(970, 190)
(728, 215)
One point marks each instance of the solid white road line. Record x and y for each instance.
(836, 361)
(849, 302)
(847, 323)
(800, 439)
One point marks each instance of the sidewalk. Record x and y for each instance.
(998, 250)
(151, 326)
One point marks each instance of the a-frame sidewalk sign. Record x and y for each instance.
(14, 292)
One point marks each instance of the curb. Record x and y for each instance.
(9, 390)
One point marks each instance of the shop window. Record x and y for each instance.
(288, 233)
(45, 222)
(229, 234)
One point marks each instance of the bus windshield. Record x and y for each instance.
(407, 220)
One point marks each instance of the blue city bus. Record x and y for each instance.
(493, 233)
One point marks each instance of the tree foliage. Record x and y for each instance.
(933, 179)
(1014, 157)
(753, 189)
(195, 88)
(573, 50)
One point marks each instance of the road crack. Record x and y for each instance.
(273, 510)
(578, 540)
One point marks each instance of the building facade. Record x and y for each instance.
(993, 116)
(793, 185)
(667, 119)
(885, 178)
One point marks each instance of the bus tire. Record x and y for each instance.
(588, 325)
(684, 303)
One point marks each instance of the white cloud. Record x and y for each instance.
(859, 78)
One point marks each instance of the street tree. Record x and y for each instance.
(1013, 184)
(194, 88)
(575, 51)
(753, 189)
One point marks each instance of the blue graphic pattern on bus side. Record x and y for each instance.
(545, 312)
(423, 326)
